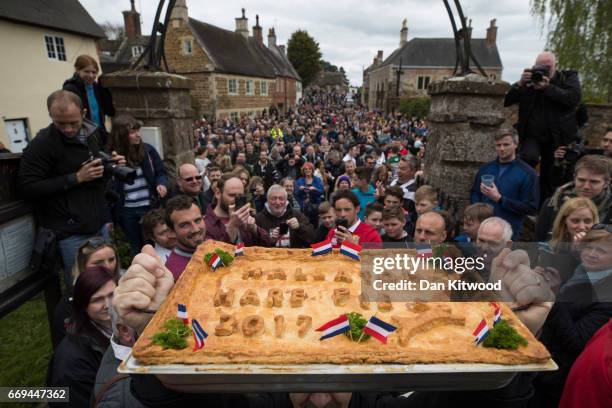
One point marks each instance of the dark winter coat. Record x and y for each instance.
(300, 238)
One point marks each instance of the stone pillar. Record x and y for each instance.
(162, 100)
(465, 113)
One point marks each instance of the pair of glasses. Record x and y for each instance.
(605, 227)
(190, 179)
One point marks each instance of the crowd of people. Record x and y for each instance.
(326, 170)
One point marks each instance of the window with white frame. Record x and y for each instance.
(55, 47)
(232, 87)
(137, 50)
(423, 82)
(264, 88)
(249, 87)
(234, 116)
(187, 46)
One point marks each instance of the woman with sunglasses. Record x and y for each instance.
(78, 356)
(583, 305)
(151, 183)
(95, 252)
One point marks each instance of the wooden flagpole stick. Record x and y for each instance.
(360, 337)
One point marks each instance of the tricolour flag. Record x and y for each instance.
(497, 309)
(215, 261)
(350, 249)
(425, 251)
(378, 329)
(481, 332)
(321, 248)
(198, 334)
(239, 249)
(335, 327)
(182, 313)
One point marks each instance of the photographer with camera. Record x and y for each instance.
(62, 175)
(547, 101)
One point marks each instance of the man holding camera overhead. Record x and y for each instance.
(547, 100)
(62, 173)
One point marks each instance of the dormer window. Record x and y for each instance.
(137, 50)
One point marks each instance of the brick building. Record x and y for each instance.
(234, 74)
(423, 60)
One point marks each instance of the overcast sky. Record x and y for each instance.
(350, 32)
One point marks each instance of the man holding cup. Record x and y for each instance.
(507, 183)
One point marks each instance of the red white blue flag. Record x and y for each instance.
(497, 309)
(321, 248)
(215, 261)
(350, 249)
(378, 329)
(335, 327)
(424, 251)
(182, 313)
(198, 334)
(481, 332)
(239, 249)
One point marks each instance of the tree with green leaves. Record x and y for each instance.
(303, 52)
(415, 107)
(344, 77)
(580, 34)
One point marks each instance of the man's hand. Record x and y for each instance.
(293, 223)
(162, 191)
(543, 84)
(90, 171)
(145, 285)
(274, 234)
(490, 192)
(560, 152)
(343, 234)
(523, 288)
(525, 77)
(118, 158)
(239, 217)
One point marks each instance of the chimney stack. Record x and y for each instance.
(492, 33)
(271, 38)
(242, 25)
(282, 49)
(404, 33)
(131, 23)
(257, 30)
(379, 57)
(179, 14)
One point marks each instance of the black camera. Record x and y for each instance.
(111, 168)
(283, 228)
(538, 73)
(240, 202)
(342, 222)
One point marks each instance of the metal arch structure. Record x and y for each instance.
(154, 53)
(463, 49)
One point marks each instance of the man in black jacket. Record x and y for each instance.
(547, 101)
(266, 170)
(61, 176)
(286, 226)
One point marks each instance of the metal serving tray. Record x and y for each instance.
(331, 377)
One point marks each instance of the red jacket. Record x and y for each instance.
(589, 383)
(366, 234)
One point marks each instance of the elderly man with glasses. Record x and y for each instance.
(189, 182)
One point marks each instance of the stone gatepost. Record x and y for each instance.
(465, 113)
(162, 100)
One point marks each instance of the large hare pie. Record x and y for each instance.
(266, 306)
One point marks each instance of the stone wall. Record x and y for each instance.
(464, 116)
(162, 100)
(386, 78)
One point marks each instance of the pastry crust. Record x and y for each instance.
(280, 296)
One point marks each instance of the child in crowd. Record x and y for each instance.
(394, 220)
(373, 216)
(327, 221)
(426, 199)
(472, 217)
(155, 231)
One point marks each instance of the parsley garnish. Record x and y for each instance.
(357, 323)
(504, 336)
(225, 257)
(173, 335)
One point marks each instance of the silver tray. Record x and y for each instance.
(331, 377)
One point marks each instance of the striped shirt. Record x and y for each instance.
(137, 194)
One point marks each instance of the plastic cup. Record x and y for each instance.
(487, 179)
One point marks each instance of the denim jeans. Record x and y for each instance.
(129, 220)
(68, 249)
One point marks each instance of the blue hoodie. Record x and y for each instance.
(519, 188)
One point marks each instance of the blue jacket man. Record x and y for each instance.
(514, 191)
